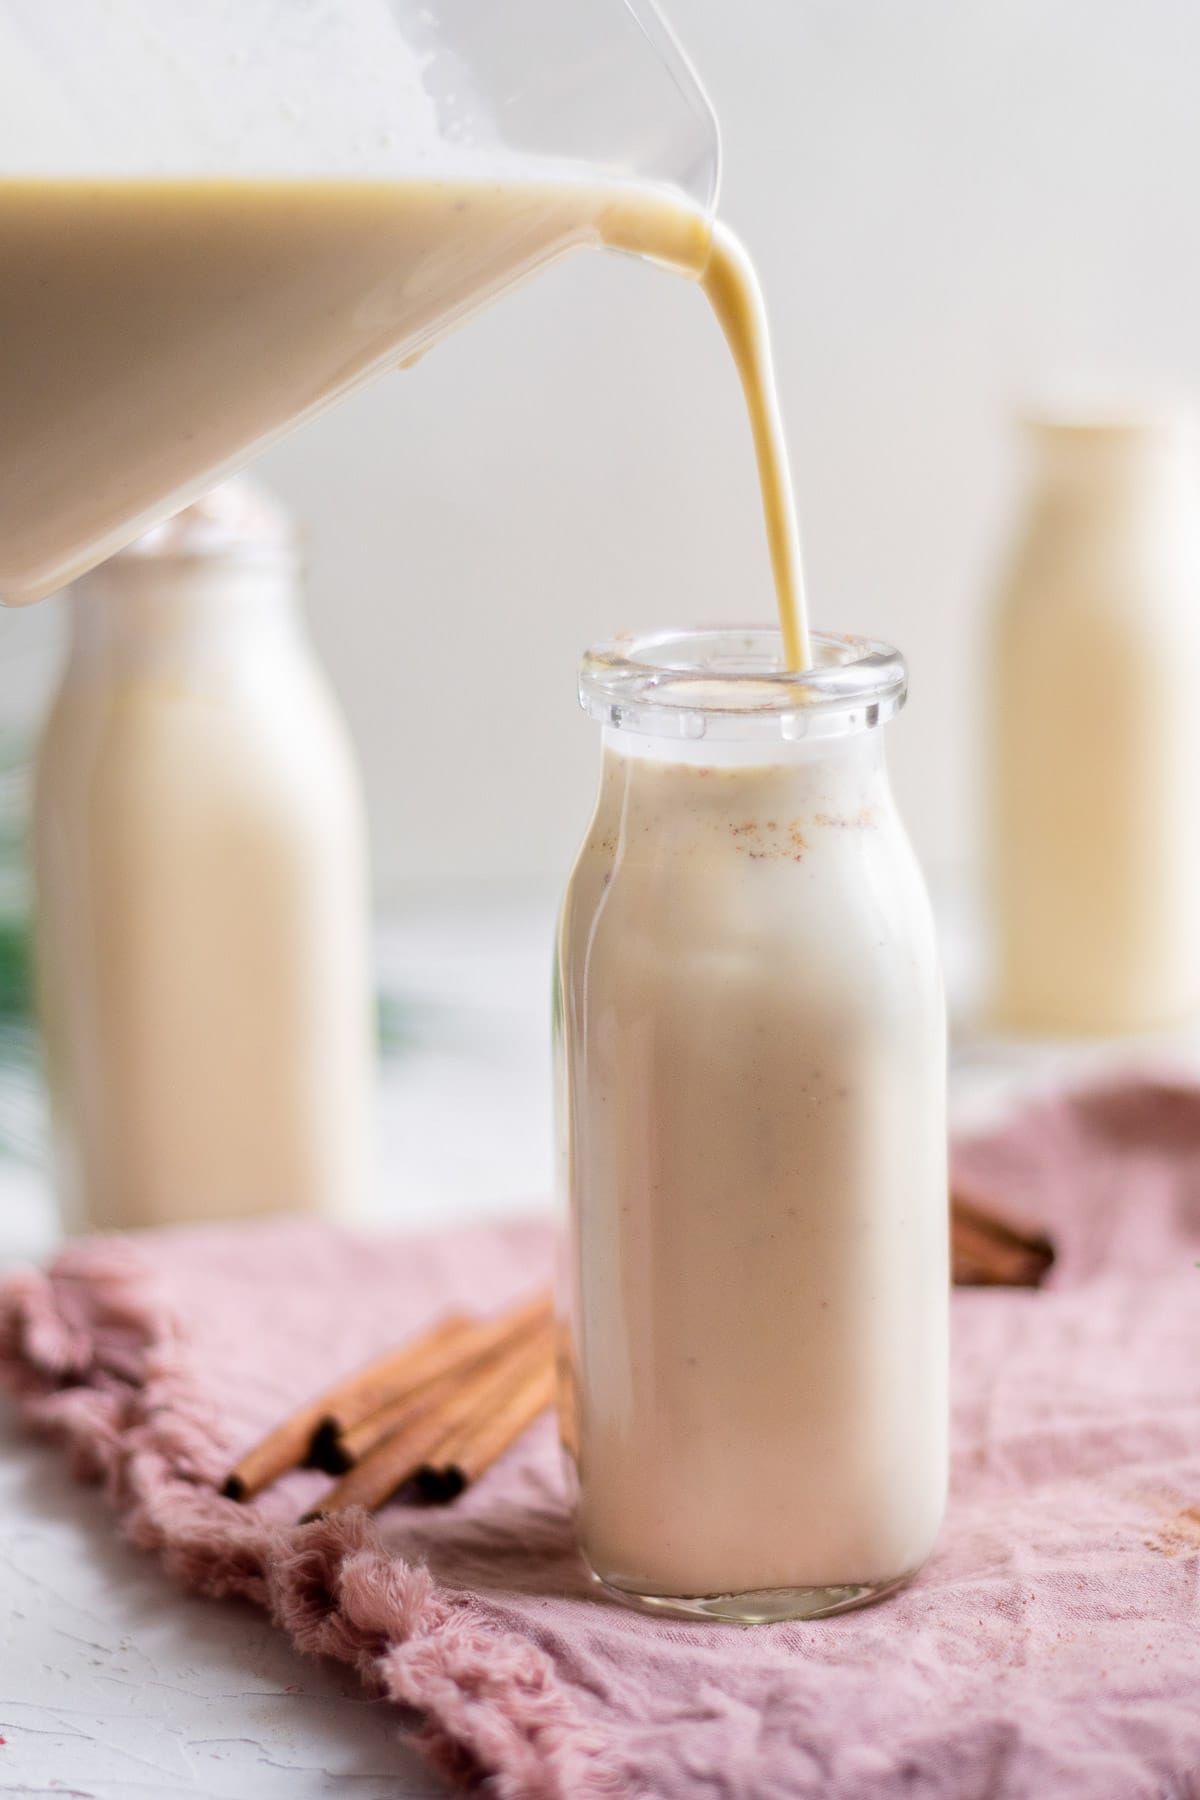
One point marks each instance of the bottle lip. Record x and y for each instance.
(238, 520)
(730, 681)
(1103, 418)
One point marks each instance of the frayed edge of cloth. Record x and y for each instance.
(96, 1361)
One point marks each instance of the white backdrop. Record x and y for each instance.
(950, 201)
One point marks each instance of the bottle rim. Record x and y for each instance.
(730, 681)
(238, 520)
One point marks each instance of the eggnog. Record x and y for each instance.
(203, 959)
(1094, 667)
(751, 1061)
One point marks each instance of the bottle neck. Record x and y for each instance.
(162, 614)
(861, 748)
(1116, 469)
(841, 775)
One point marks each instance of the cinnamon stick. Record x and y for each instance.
(988, 1250)
(337, 1449)
(567, 1395)
(288, 1445)
(470, 1451)
(482, 1390)
(475, 1339)
(453, 1343)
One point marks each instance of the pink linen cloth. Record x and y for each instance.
(1051, 1646)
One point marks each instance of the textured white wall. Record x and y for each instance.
(950, 200)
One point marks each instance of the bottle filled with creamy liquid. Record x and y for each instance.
(202, 906)
(1095, 756)
(751, 1075)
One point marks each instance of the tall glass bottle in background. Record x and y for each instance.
(201, 875)
(1095, 814)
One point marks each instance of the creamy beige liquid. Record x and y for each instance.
(204, 979)
(751, 1044)
(1095, 670)
(154, 333)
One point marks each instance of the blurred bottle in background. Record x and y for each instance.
(1095, 796)
(202, 894)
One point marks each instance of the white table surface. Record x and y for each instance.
(113, 1684)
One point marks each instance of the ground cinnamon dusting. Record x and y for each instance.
(1180, 1536)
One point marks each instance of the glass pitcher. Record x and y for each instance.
(216, 219)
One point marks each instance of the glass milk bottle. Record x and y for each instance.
(201, 879)
(1095, 816)
(751, 1075)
